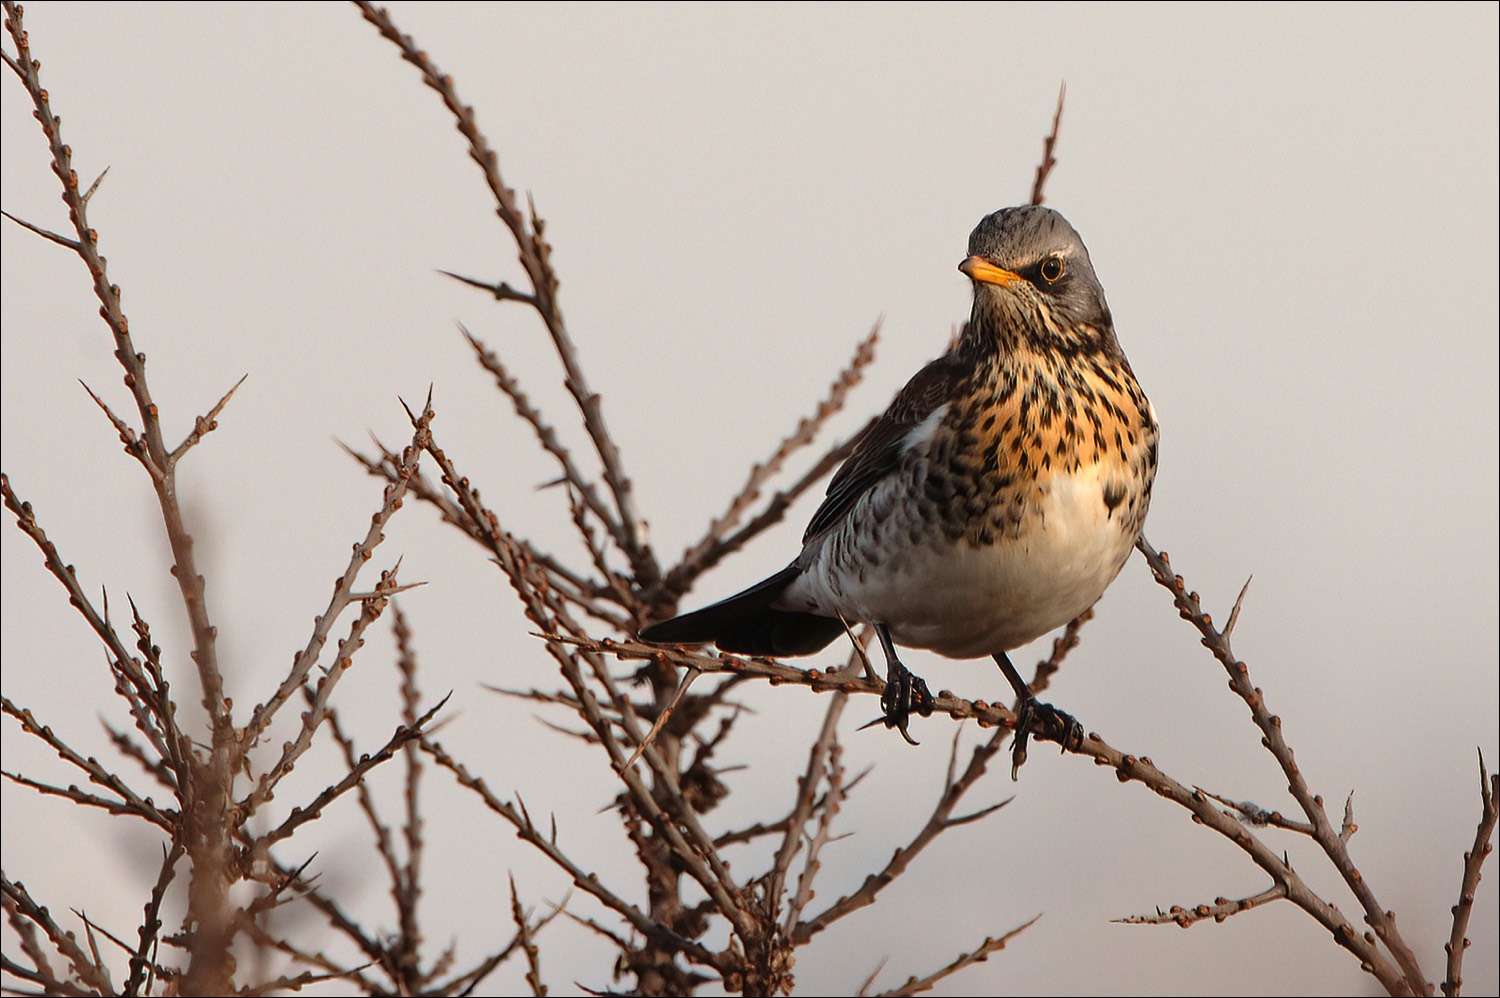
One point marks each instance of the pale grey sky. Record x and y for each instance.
(1293, 211)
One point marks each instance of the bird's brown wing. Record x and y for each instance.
(879, 451)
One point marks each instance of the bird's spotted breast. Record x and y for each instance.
(1009, 513)
(1036, 418)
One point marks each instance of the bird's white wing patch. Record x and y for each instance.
(918, 435)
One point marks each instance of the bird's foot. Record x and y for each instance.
(904, 693)
(1048, 722)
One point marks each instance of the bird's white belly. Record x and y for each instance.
(966, 600)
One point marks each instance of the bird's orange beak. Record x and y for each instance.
(977, 268)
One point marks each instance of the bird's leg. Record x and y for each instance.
(859, 648)
(1058, 725)
(904, 692)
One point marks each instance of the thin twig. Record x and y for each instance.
(1409, 977)
(1221, 909)
(309, 812)
(1458, 940)
(143, 966)
(528, 944)
(207, 423)
(588, 882)
(822, 764)
(677, 581)
(535, 256)
(20, 902)
(407, 885)
(47, 234)
(545, 434)
(1253, 814)
(939, 821)
(688, 568)
(129, 802)
(981, 953)
(210, 967)
(1044, 169)
(343, 596)
(688, 675)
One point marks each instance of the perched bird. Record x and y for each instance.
(994, 500)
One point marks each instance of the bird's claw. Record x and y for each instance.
(1048, 722)
(904, 693)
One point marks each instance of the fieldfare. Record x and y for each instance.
(994, 500)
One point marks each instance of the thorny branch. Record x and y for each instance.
(207, 825)
(702, 918)
(371, 606)
(981, 953)
(535, 255)
(1221, 909)
(710, 549)
(1333, 843)
(1458, 940)
(1044, 168)
(207, 810)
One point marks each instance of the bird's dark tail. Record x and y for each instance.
(746, 624)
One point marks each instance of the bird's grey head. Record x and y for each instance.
(1032, 275)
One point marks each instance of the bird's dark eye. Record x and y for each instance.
(1052, 269)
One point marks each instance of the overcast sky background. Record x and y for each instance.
(1292, 209)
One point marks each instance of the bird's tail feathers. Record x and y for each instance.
(746, 624)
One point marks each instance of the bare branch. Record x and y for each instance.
(1253, 814)
(1327, 837)
(88, 195)
(981, 953)
(688, 676)
(576, 587)
(206, 424)
(465, 982)
(680, 578)
(535, 256)
(355, 776)
(1221, 909)
(64, 573)
(500, 289)
(940, 820)
(143, 966)
(587, 882)
(406, 886)
(545, 434)
(343, 596)
(1061, 645)
(135, 445)
(801, 436)
(1347, 830)
(86, 246)
(48, 234)
(826, 809)
(1234, 615)
(129, 801)
(1044, 169)
(22, 908)
(1458, 941)
(822, 764)
(528, 945)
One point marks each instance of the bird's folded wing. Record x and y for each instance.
(879, 451)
